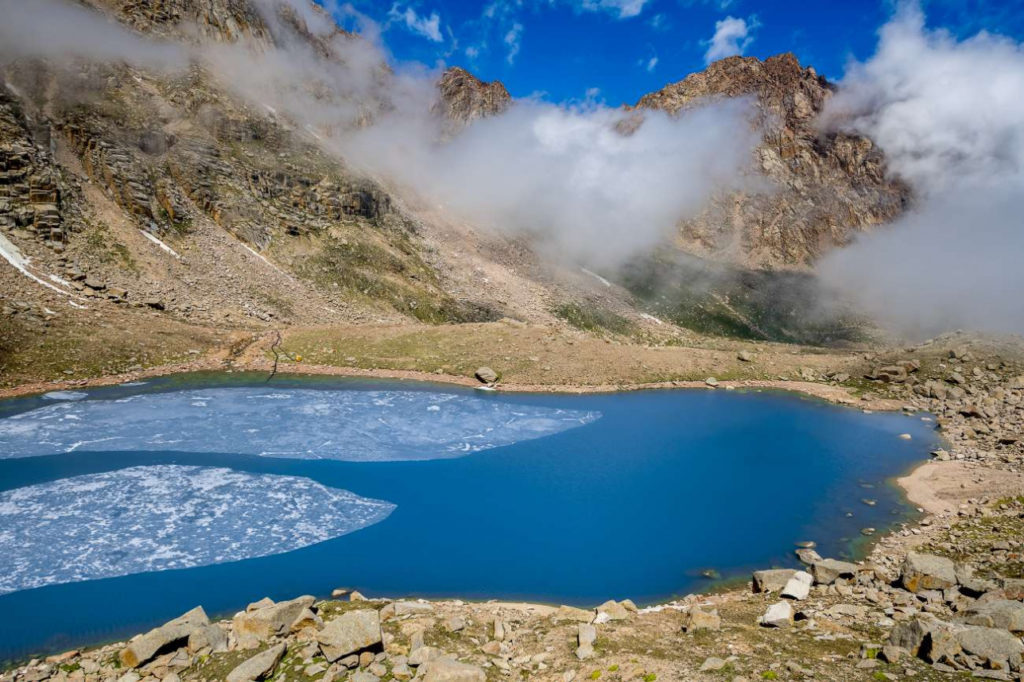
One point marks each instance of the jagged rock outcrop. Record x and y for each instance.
(829, 185)
(465, 98)
(30, 199)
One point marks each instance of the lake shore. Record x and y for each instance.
(972, 502)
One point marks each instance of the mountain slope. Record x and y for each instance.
(826, 187)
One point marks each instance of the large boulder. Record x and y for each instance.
(772, 580)
(799, 586)
(995, 613)
(259, 666)
(826, 571)
(699, 619)
(349, 633)
(208, 639)
(449, 670)
(778, 615)
(586, 637)
(176, 631)
(260, 624)
(926, 637)
(994, 646)
(611, 610)
(486, 375)
(927, 572)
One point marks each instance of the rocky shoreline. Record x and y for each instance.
(939, 597)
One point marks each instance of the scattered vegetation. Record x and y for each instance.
(593, 318)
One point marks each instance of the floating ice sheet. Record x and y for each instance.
(348, 425)
(154, 518)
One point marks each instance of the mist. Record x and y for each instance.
(55, 29)
(562, 175)
(950, 117)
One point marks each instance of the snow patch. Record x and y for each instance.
(159, 243)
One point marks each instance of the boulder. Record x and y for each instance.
(612, 610)
(926, 637)
(146, 646)
(424, 654)
(698, 619)
(486, 375)
(349, 633)
(799, 586)
(772, 580)
(572, 613)
(826, 571)
(585, 638)
(263, 623)
(1004, 614)
(744, 356)
(808, 556)
(778, 615)
(992, 645)
(259, 666)
(212, 637)
(449, 670)
(927, 572)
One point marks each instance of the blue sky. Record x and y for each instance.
(618, 50)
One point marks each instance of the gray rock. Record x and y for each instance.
(448, 670)
(585, 638)
(259, 666)
(992, 645)
(744, 356)
(826, 571)
(146, 646)
(612, 610)
(363, 676)
(486, 375)
(926, 637)
(698, 619)
(799, 586)
(927, 572)
(349, 633)
(264, 622)
(808, 556)
(424, 654)
(778, 615)
(212, 637)
(995, 613)
(772, 580)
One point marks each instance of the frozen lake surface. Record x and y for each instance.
(124, 506)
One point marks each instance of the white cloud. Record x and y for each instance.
(623, 8)
(650, 64)
(948, 115)
(514, 41)
(428, 27)
(732, 37)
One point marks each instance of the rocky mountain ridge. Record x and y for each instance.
(828, 186)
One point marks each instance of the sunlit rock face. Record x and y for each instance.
(382, 425)
(153, 518)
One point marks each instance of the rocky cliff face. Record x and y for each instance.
(465, 98)
(828, 186)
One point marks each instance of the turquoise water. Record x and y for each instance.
(122, 507)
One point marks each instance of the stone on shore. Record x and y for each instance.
(412, 608)
(486, 375)
(259, 625)
(611, 610)
(208, 639)
(799, 586)
(827, 571)
(699, 619)
(145, 647)
(772, 580)
(927, 572)
(778, 615)
(350, 633)
(449, 670)
(259, 666)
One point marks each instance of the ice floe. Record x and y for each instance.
(154, 518)
(351, 425)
